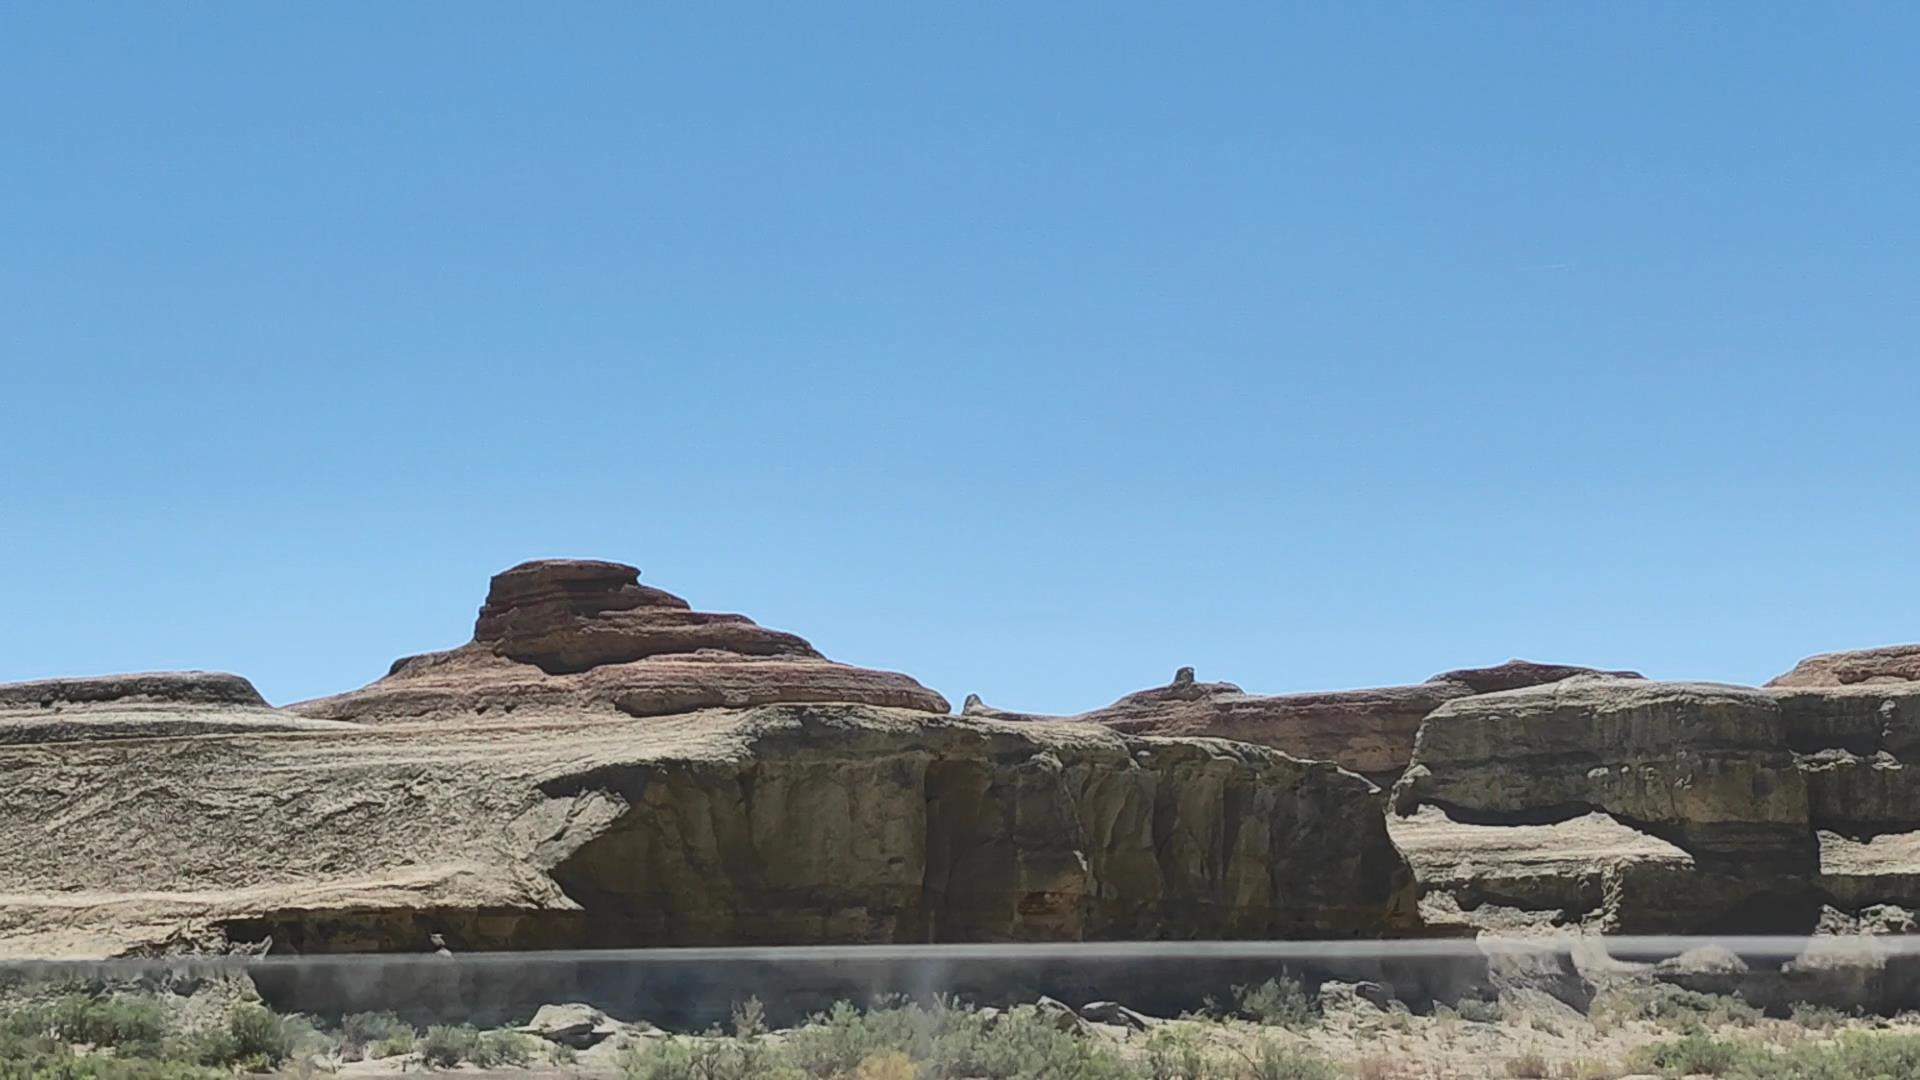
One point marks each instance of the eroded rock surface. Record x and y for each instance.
(585, 634)
(1369, 731)
(780, 824)
(1888, 664)
(138, 706)
(1703, 766)
(1793, 806)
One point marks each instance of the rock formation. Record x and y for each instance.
(149, 705)
(1660, 807)
(1703, 766)
(1368, 731)
(1890, 664)
(602, 766)
(781, 824)
(586, 635)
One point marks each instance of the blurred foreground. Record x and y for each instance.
(1579, 1008)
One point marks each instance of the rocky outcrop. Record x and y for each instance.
(141, 706)
(1777, 804)
(586, 635)
(1368, 731)
(1703, 766)
(152, 687)
(1888, 664)
(1589, 872)
(1519, 674)
(783, 824)
(603, 766)
(1859, 748)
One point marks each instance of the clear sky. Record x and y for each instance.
(1033, 349)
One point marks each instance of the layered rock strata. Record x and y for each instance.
(602, 766)
(1783, 807)
(788, 824)
(140, 706)
(1887, 664)
(1368, 731)
(586, 635)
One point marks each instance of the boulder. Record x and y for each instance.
(585, 636)
(1368, 731)
(1116, 1014)
(573, 1025)
(1887, 664)
(1703, 766)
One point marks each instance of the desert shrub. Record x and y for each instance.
(362, 1032)
(714, 1058)
(1857, 1056)
(443, 1046)
(1818, 1017)
(561, 1055)
(1176, 1052)
(496, 1048)
(837, 1041)
(1480, 1010)
(1271, 1061)
(133, 1026)
(886, 1065)
(749, 1019)
(1686, 1011)
(261, 1037)
(62, 1063)
(398, 1043)
(1023, 1043)
(1693, 1055)
(1281, 1001)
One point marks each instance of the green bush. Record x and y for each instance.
(1818, 1017)
(393, 1044)
(1281, 1001)
(946, 1041)
(1693, 1055)
(1479, 1010)
(262, 1037)
(361, 1033)
(443, 1047)
(1686, 1011)
(1176, 1052)
(135, 1027)
(1857, 1056)
(1023, 1043)
(716, 1058)
(497, 1048)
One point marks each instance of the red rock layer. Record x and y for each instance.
(1888, 664)
(579, 633)
(1369, 731)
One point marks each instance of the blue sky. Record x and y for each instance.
(1034, 350)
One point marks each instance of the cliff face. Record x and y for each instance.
(785, 824)
(1725, 808)
(563, 782)
(602, 765)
